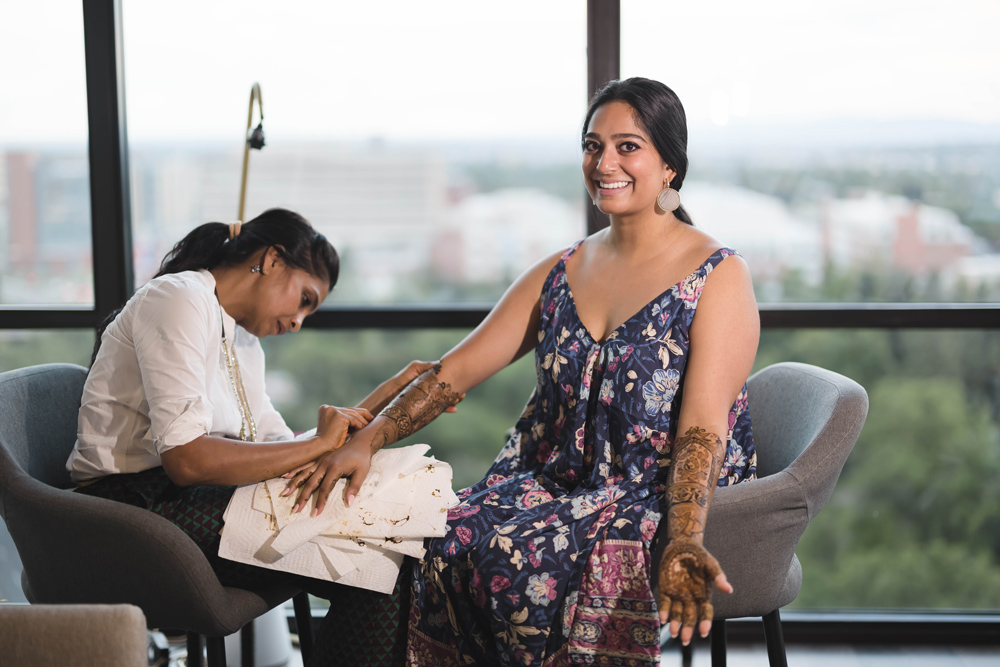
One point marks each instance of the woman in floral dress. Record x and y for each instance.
(644, 334)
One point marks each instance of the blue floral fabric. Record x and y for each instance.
(547, 559)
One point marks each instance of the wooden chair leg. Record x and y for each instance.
(247, 646)
(216, 651)
(775, 640)
(194, 646)
(303, 622)
(718, 636)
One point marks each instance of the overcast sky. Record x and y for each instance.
(512, 70)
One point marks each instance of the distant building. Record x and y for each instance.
(892, 231)
(773, 240)
(493, 237)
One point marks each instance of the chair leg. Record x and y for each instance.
(718, 635)
(687, 655)
(194, 646)
(303, 622)
(216, 651)
(775, 640)
(247, 654)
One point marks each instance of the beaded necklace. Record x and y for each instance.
(236, 380)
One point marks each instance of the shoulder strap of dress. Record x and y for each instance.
(717, 256)
(570, 250)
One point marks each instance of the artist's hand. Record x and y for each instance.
(335, 424)
(687, 575)
(353, 460)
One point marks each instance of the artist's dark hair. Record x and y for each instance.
(208, 246)
(660, 113)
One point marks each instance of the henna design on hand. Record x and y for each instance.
(687, 575)
(687, 570)
(413, 408)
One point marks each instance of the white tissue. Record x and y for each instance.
(405, 498)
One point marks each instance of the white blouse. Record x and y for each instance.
(160, 380)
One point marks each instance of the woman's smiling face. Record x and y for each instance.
(621, 168)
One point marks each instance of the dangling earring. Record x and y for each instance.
(669, 199)
(255, 268)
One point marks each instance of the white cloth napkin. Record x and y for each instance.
(405, 498)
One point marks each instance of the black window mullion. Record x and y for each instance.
(603, 65)
(111, 224)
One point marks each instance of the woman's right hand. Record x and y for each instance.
(335, 424)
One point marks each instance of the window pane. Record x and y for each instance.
(45, 241)
(436, 146)
(913, 511)
(27, 347)
(848, 150)
(913, 521)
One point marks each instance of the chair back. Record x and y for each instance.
(38, 422)
(805, 420)
(80, 549)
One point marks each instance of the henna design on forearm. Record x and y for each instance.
(413, 408)
(697, 461)
(687, 571)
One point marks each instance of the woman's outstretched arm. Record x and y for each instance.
(507, 333)
(724, 336)
(215, 461)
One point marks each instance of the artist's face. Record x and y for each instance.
(621, 168)
(283, 297)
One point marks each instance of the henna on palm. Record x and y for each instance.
(413, 408)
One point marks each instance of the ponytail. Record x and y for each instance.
(683, 216)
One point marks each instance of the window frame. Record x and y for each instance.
(113, 284)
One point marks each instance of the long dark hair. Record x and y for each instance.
(208, 246)
(660, 113)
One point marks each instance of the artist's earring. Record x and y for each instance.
(255, 268)
(669, 199)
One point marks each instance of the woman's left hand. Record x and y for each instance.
(687, 575)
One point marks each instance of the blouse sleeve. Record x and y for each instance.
(171, 333)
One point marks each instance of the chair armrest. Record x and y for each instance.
(98, 550)
(752, 529)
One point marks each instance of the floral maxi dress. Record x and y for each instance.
(547, 560)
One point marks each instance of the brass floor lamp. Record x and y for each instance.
(254, 139)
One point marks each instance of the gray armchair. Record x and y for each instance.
(78, 549)
(805, 422)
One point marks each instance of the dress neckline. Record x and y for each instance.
(611, 334)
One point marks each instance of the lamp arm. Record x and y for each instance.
(254, 94)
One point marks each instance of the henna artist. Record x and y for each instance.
(643, 334)
(175, 411)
